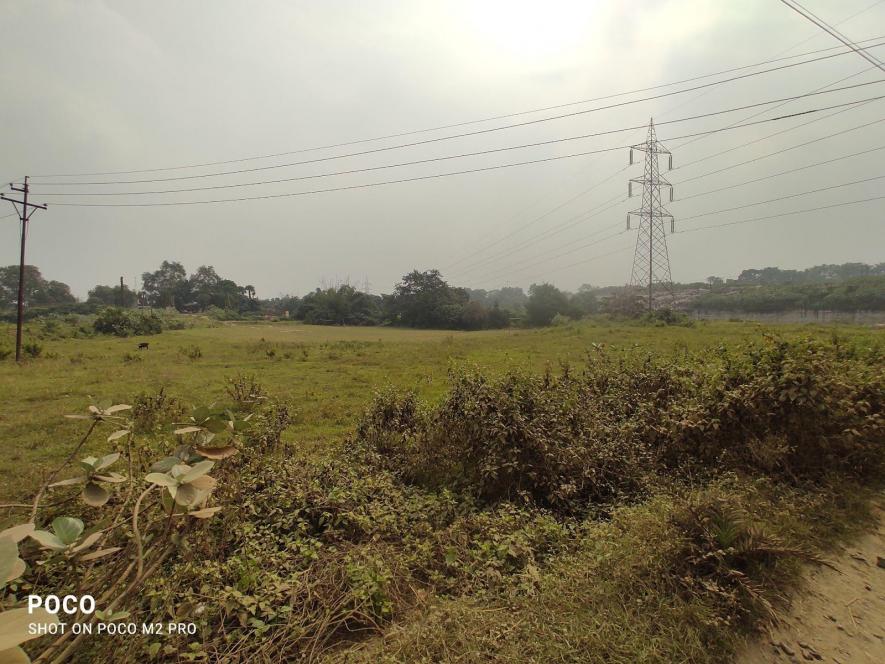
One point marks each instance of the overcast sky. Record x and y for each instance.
(93, 86)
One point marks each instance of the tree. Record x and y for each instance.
(110, 296)
(715, 281)
(545, 301)
(342, 306)
(168, 286)
(424, 299)
(584, 302)
(38, 291)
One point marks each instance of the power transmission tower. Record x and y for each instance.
(651, 263)
(24, 214)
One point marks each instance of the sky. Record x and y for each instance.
(116, 87)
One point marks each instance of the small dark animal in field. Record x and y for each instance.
(143, 345)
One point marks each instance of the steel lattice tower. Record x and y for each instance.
(651, 263)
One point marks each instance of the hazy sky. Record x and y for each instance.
(93, 86)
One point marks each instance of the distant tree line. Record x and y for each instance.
(857, 294)
(426, 300)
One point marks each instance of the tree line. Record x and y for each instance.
(424, 299)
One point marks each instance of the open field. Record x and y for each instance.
(585, 516)
(326, 374)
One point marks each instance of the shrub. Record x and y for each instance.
(796, 409)
(32, 349)
(123, 323)
(4, 353)
(149, 411)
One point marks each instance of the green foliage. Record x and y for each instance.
(796, 408)
(857, 294)
(151, 411)
(544, 303)
(124, 323)
(112, 296)
(38, 291)
(32, 349)
(344, 305)
(5, 352)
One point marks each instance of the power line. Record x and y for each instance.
(436, 175)
(518, 230)
(443, 138)
(496, 274)
(587, 215)
(783, 214)
(782, 198)
(584, 216)
(458, 124)
(777, 152)
(556, 230)
(455, 156)
(775, 175)
(439, 175)
(580, 262)
(826, 27)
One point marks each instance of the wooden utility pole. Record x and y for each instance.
(23, 214)
(122, 295)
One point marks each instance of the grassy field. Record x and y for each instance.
(426, 567)
(326, 374)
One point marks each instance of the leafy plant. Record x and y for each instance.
(93, 493)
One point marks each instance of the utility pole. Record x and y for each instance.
(23, 214)
(651, 263)
(122, 295)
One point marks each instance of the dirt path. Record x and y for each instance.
(838, 616)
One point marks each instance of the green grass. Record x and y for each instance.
(326, 374)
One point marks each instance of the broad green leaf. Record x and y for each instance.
(198, 470)
(8, 556)
(178, 470)
(48, 540)
(164, 465)
(204, 483)
(67, 528)
(95, 495)
(17, 533)
(14, 626)
(70, 482)
(186, 495)
(18, 568)
(160, 478)
(88, 541)
(107, 460)
(113, 478)
(184, 430)
(117, 435)
(216, 425)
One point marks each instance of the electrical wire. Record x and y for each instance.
(448, 157)
(826, 27)
(782, 214)
(419, 178)
(783, 198)
(442, 138)
(458, 124)
(775, 175)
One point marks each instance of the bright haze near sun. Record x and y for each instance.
(109, 87)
